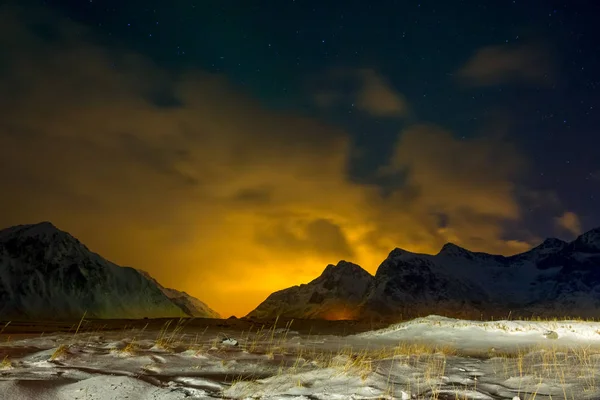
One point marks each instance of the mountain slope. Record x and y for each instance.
(336, 294)
(189, 304)
(46, 273)
(408, 283)
(555, 278)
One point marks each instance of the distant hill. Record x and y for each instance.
(46, 273)
(556, 278)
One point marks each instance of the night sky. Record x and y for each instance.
(234, 148)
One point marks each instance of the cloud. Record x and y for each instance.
(210, 192)
(495, 65)
(469, 182)
(327, 98)
(569, 222)
(377, 97)
(544, 199)
(369, 92)
(319, 236)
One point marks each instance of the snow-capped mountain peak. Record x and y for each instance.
(453, 250)
(42, 231)
(398, 252)
(44, 243)
(555, 278)
(343, 268)
(551, 244)
(588, 242)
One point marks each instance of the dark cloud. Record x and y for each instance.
(364, 89)
(161, 158)
(569, 222)
(319, 236)
(254, 196)
(494, 65)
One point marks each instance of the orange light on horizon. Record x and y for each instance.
(341, 314)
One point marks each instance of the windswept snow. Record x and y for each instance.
(427, 358)
(462, 333)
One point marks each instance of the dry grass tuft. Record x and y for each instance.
(5, 363)
(4, 327)
(131, 348)
(60, 352)
(168, 340)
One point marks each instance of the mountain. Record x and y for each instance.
(189, 304)
(46, 273)
(405, 282)
(336, 294)
(555, 278)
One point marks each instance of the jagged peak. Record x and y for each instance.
(346, 264)
(593, 234)
(398, 252)
(589, 240)
(551, 243)
(451, 249)
(343, 267)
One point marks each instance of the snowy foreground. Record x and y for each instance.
(427, 358)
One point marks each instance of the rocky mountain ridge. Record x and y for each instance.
(555, 278)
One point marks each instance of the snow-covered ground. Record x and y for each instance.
(427, 358)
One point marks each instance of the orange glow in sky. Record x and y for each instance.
(223, 197)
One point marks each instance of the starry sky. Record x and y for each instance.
(234, 148)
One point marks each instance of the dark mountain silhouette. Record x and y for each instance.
(554, 279)
(46, 273)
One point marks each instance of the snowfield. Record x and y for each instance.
(426, 358)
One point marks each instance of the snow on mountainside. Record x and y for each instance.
(336, 294)
(589, 242)
(189, 304)
(406, 282)
(555, 278)
(46, 273)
